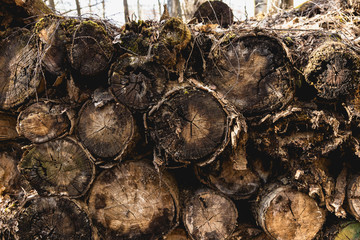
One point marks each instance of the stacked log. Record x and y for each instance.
(168, 130)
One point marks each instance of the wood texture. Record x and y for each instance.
(58, 167)
(133, 201)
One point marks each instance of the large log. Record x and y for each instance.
(58, 167)
(133, 200)
(252, 71)
(190, 125)
(285, 213)
(215, 12)
(53, 218)
(209, 215)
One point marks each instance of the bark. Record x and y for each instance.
(333, 70)
(44, 121)
(20, 73)
(209, 215)
(180, 126)
(285, 213)
(215, 12)
(58, 167)
(107, 129)
(126, 11)
(137, 82)
(134, 201)
(90, 50)
(52, 42)
(252, 71)
(53, 218)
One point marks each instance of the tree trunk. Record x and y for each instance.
(253, 72)
(44, 121)
(53, 218)
(285, 213)
(58, 167)
(134, 201)
(78, 8)
(20, 71)
(107, 130)
(180, 126)
(209, 215)
(126, 11)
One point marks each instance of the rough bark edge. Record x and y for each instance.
(235, 121)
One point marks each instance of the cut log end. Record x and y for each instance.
(333, 69)
(215, 12)
(285, 213)
(19, 76)
(53, 218)
(43, 121)
(189, 125)
(131, 201)
(58, 167)
(253, 73)
(353, 196)
(208, 215)
(106, 131)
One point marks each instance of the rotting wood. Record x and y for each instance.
(58, 167)
(134, 201)
(53, 218)
(215, 12)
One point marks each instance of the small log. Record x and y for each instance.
(285, 213)
(10, 179)
(252, 71)
(343, 231)
(58, 167)
(107, 130)
(90, 49)
(215, 12)
(44, 121)
(191, 125)
(333, 70)
(224, 177)
(209, 215)
(136, 82)
(19, 76)
(53, 218)
(7, 127)
(134, 201)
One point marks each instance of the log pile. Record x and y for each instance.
(212, 129)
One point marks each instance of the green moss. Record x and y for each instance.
(349, 230)
(175, 33)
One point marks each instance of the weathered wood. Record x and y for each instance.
(107, 129)
(209, 215)
(44, 121)
(177, 234)
(134, 201)
(190, 125)
(248, 232)
(90, 49)
(19, 76)
(52, 41)
(58, 167)
(8, 127)
(137, 82)
(252, 71)
(223, 176)
(333, 69)
(215, 12)
(10, 179)
(353, 196)
(285, 213)
(53, 218)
